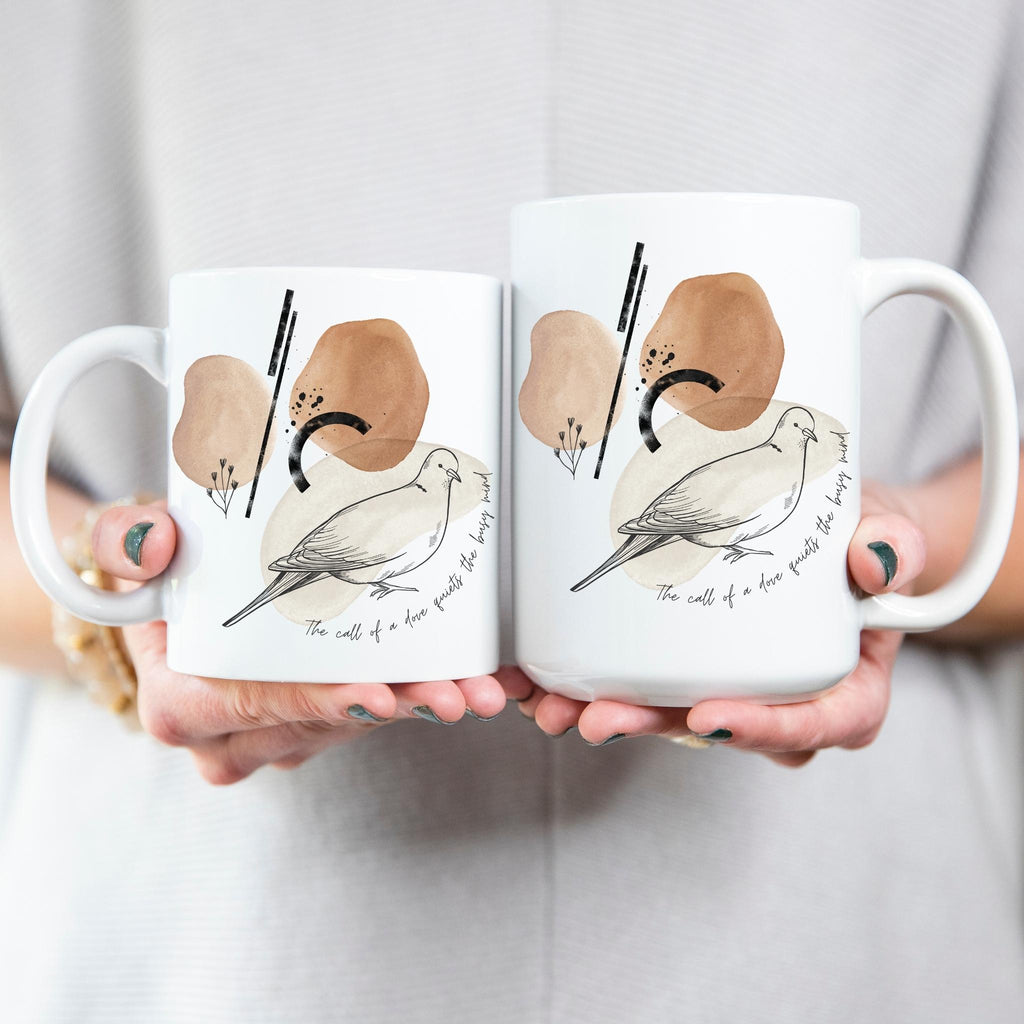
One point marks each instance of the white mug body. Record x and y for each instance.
(685, 478)
(333, 447)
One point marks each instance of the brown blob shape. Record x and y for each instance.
(574, 360)
(224, 417)
(368, 368)
(724, 325)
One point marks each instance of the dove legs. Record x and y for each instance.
(381, 589)
(733, 552)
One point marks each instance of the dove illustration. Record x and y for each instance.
(727, 501)
(353, 544)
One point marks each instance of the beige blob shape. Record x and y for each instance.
(224, 418)
(724, 325)
(333, 486)
(685, 445)
(368, 368)
(574, 360)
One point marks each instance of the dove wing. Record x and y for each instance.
(705, 500)
(352, 538)
(677, 512)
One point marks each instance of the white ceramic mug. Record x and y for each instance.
(333, 447)
(685, 476)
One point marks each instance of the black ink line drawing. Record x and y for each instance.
(270, 415)
(638, 253)
(725, 502)
(311, 426)
(625, 353)
(661, 385)
(353, 544)
(573, 448)
(281, 324)
(225, 488)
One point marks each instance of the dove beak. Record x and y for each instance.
(455, 476)
(810, 434)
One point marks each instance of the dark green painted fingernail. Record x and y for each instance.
(887, 557)
(715, 737)
(480, 718)
(133, 541)
(424, 712)
(615, 736)
(358, 711)
(567, 731)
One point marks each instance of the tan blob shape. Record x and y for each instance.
(224, 417)
(368, 368)
(685, 445)
(724, 325)
(574, 360)
(335, 485)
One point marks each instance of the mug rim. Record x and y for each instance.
(393, 273)
(753, 198)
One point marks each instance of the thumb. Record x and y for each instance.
(134, 542)
(886, 554)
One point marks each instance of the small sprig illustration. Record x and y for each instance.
(223, 489)
(572, 449)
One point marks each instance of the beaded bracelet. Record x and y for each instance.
(96, 656)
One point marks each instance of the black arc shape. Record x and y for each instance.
(310, 427)
(662, 384)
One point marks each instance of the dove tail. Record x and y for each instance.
(285, 582)
(631, 547)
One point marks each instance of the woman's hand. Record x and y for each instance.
(887, 553)
(233, 727)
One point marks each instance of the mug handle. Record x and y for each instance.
(29, 454)
(880, 280)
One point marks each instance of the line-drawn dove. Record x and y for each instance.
(727, 501)
(353, 544)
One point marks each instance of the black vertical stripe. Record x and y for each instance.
(273, 406)
(286, 306)
(630, 285)
(622, 369)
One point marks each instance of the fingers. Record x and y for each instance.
(518, 686)
(134, 542)
(484, 697)
(606, 721)
(446, 701)
(515, 682)
(556, 715)
(197, 709)
(601, 721)
(229, 759)
(233, 727)
(182, 710)
(529, 704)
(887, 553)
(794, 759)
(849, 715)
(440, 701)
(223, 760)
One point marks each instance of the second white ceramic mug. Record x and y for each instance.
(686, 434)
